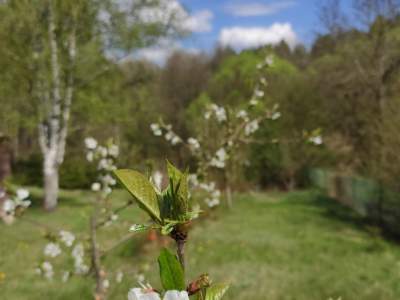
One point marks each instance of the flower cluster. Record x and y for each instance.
(169, 135)
(148, 293)
(53, 249)
(78, 254)
(218, 112)
(213, 197)
(105, 156)
(17, 203)
(219, 159)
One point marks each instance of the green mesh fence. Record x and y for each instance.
(365, 196)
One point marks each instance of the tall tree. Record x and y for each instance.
(55, 40)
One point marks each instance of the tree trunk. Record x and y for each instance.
(51, 183)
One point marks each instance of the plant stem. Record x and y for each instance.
(180, 250)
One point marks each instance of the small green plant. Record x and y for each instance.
(171, 213)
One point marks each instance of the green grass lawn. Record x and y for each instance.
(269, 246)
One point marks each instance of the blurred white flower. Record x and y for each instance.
(176, 295)
(90, 143)
(193, 143)
(175, 140)
(90, 156)
(143, 294)
(259, 93)
(254, 102)
(242, 114)
(316, 140)
(67, 238)
(169, 135)
(113, 150)
(103, 151)
(114, 217)
(251, 127)
(9, 207)
(22, 194)
(47, 270)
(193, 180)
(96, 187)
(155, 127)
(263, 81)
(219, 160)
(276, 115)
(157, 179)
(108, 180)
(52, 250)
(78, 256)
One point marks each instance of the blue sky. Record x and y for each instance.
(243, 24)
(301, 14)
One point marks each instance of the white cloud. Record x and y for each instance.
(200, 21)
(241, 38)
(160, 53)
(172, 10)
(257, 9)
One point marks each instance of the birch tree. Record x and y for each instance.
(55, 40)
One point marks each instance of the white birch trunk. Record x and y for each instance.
(53, 131)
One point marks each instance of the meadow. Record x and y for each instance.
(272, 245)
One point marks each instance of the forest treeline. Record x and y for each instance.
(346, 84)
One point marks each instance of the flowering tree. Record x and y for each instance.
(171, 212)
(68, 254)
(232, 129)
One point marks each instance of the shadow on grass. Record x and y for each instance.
(332, 209)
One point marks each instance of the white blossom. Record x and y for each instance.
(102, 151)
(254, 102)
(316, 140)
(143, 294)
(47, 269)
(259, 93)
(175, 140)
(269, 60)
(108, 180)
(194, 181)
(90, 143)
(114, 217)
(67, 238)
(149, 294)
(169, 135)
(22, 194)
(9, 207)
(113, 150)
(78, 256)
(276, 115)
(96, 187)
(219, 160)
(176, 295)
(156, 129)
(90, 156)
(242, 114)
(193, 143)
(251, 127)
(52, 250)
(157, 179)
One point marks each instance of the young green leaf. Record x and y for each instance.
(216, 291)
(171, 272)
(142, 190)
